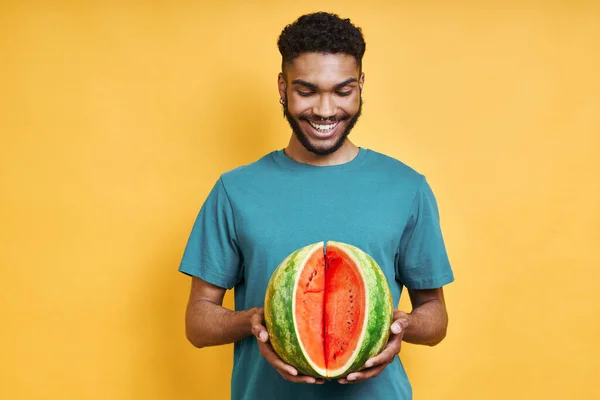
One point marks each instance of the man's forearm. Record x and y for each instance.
(209, 324)
(427, 324)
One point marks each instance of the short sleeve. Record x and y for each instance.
(422, 258)
(212, 251)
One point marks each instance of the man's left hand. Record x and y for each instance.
(375, 365)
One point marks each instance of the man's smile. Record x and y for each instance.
(323, 127)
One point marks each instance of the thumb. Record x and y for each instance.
(258, 329)
(400, 322)
(262, 335)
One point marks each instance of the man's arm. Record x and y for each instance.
(208, 323)
(428, 320)
(426, 324)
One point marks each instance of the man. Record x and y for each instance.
(320, 187)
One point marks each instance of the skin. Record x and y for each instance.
(315, 86)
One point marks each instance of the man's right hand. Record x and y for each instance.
(288, 372)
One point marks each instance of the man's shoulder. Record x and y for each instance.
(252, 170)
(396, 168)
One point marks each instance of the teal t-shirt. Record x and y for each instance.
(257, 214)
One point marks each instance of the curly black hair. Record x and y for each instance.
(321, 32)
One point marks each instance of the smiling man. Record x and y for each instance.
(320, 187)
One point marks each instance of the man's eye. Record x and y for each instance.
(347, 93)
(304, 94)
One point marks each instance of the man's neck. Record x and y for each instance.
(297, 152)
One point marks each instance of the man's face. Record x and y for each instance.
(323, 102)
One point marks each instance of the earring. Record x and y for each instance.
(282, 102)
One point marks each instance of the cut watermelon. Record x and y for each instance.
(327, 312)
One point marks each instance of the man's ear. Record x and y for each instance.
(281, 86)
(361, 81)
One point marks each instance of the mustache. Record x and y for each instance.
(317, 118)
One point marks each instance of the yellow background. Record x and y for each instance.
(117, 117)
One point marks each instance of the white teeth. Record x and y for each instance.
(323, 128)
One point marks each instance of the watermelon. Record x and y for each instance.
(328, 309)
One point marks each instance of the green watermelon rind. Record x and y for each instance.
(279, 311)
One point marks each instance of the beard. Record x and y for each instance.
(305, 141)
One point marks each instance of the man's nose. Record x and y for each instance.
(325, 107)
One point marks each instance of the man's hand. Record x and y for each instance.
(266, 350)
(375, 365)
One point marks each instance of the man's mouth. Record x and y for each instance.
(323, 127)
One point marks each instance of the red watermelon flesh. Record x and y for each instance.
(309, 308)
(330, 308)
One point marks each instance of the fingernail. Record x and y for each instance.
(396, 328)
(311, 380)
(263, 335)
(368, 364)
(351, 377)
